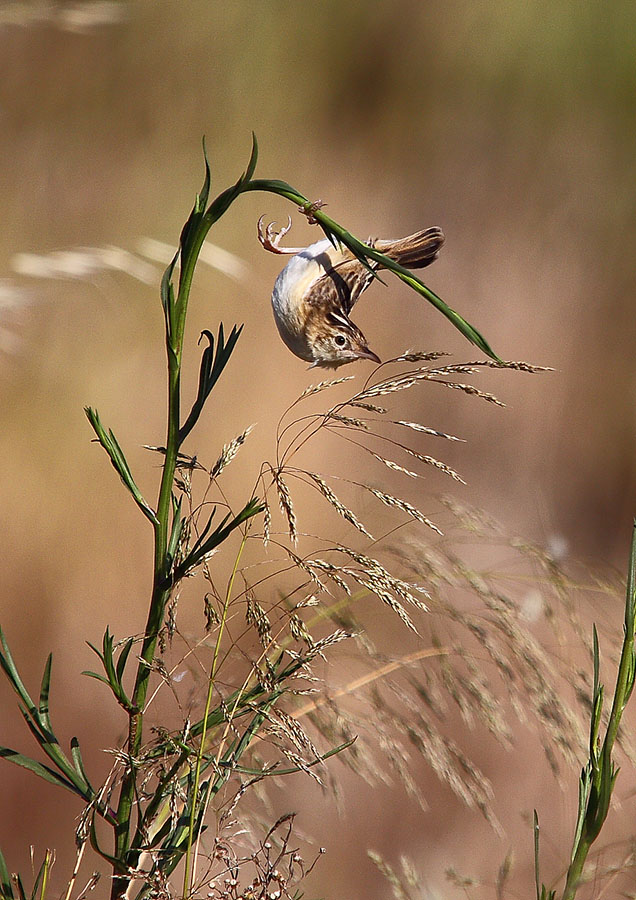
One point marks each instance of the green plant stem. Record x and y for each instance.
(160, 592)
(600, 764)
(208, 703)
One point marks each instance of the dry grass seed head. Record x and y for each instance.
(286, 505)
(340, 508)
(436, 463)
(255, 615)
(349, 420)
(370, 407)
(323, 385)
(228, 452)
(403, 505)
(424, 429)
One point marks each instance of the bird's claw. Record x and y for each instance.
(310, 209)
(270, 238)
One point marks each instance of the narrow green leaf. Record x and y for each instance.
(167, 295)
(607, 777)
(44, 692)
(78, 761)
(596, 662)
(251, 166)
(226, 763)
(11, 671)
(535, 831)
(6, 889)
(222, 532)
(114, 862)
(631, 675)
(213, 362)
(123, 658)
(50, 745)
(242, 702)
(597, 700)
(250, 732)
(37, 768)
(205, 530)
(113, 672)
(630, 605)
(177, 529)
(111, 446)
(107, 659)
(42, 875)
(191, 237)
(204, 194)
(585, 784)
(95, 650)
(98, 677)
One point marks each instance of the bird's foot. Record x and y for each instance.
(270, 238)
(310, 209)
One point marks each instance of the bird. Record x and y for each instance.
(316, 291)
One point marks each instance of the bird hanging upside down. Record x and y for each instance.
(317, 289)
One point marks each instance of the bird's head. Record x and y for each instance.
(336, 341)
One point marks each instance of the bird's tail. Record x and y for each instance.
(416, 250)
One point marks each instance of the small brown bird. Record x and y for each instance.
(317, 289)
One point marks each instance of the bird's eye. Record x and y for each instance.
(340, 340)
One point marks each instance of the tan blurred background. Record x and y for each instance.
(512, 125)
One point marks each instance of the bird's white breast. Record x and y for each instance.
(289, 289)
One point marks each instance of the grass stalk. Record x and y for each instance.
(187, 886)
(599, 774)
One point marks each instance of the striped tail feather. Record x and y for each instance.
(415, 251)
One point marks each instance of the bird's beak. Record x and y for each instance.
(369, 354)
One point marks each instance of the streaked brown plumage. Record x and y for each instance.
(316, 291)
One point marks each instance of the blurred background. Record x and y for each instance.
(511, 125)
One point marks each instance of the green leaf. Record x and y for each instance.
(226, 763)
(630, 605)
(123, 658)
(6, 889)
(251, 166)
(535, 831)
(111, 446)
(37, 720)
(51, 747)
(37, 768)
(97, 676)
(212, 365)
(597, 700)
(44, 692)
(190, 231)
(202, 548)
(204, 195)
(78, 761)
(585, 784)
(167, 295)
(114, 862)
(42, 875)
(177, 528)
(9, 666)
(222, 203)
(113, 672)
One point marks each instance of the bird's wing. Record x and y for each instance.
(340, 286)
